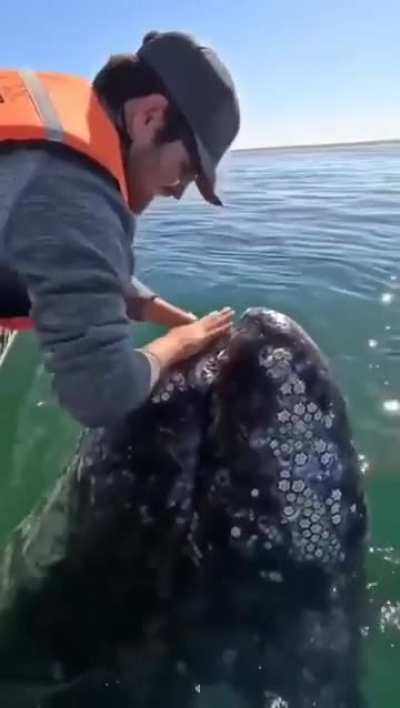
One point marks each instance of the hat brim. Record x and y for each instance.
(207, 178)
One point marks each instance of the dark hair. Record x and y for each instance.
(127, 76)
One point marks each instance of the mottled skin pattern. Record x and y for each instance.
(215, 537)
(286, 473)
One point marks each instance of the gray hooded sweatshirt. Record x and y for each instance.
(66, 230)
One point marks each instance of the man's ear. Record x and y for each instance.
(145, 117)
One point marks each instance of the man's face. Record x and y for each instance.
(154, 168)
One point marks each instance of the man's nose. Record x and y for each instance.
(178, 190)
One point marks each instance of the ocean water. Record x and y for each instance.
(314, 233)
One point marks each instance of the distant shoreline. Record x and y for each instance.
(320, 146)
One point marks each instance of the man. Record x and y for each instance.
(76, 164)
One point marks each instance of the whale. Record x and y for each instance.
(213, 540)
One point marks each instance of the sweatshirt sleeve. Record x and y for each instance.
(136, 296)
(69, 236)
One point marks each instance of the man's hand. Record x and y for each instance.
(186, 340)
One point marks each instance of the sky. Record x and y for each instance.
(306, 71)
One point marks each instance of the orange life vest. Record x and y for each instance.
(63, 109)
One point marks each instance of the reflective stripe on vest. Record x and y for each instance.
(40, 98)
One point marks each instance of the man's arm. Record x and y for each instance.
(65, 236)
(144, 305)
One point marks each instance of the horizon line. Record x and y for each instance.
(304, 146)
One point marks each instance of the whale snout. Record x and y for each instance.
(286, 421)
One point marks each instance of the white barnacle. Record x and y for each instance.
(320, 446)
(288, 511)
(316, 528)
(336, 494)
(176, 377)
(298, 485)
(300, 427)
(304, 523)
(328, 420)
(255, 493)
(306, 533)
(165, 396)
(285, 474)
(279, 370)
(336, 519)
(283, 416)
(284, 485)
(318, 415)
(312, 407)
(263, 524)
(291, 498)
(335, 509)
(275, 577)
(315, 518)
(236, 532)
(299, 409)
(314, 538)
(282, 355)
(257, 441)
(301, 459)
(286, 388)
(252, 540)
(318, 553)
(274, 444)
(276, 534)
(325, 535)
(299, 386)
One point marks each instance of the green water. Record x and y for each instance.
(314, 234)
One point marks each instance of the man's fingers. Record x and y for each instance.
(216, 318)
(218, 332)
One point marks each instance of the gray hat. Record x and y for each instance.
(203, 90)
